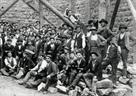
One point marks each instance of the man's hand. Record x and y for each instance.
(48, 77)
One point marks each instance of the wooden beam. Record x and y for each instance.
(114, 14)
(37, 10)
(56, 12)
(133, 10)
(40, 15)
(8, 8)
(102, 9)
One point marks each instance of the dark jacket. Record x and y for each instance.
(19, 51)
(96, 69)
(106, 33)
(52, 69)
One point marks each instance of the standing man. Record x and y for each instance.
(106, 33)
(112, 58)
(79, 38)
(123, 41)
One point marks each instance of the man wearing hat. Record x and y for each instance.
(94, 43)
(92, 69)
(106, 33)
(10, 64)
(19, 49)
(38, 71)
(112, 58)
(7, 47)
(77, 67)
(123, 41)
(95, 40)
(52, 70)
(79, 37)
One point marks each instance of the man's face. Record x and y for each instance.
(93, 32)
(79, 55)
(9, 54)
(122, 30)
(19, 43)
(78, 29)
(72, 55)
(48, 59)
(9, 42)
(40, 57)
(70, 13)
(93, 56)
(103, 24)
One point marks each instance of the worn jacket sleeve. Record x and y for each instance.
(54, 70)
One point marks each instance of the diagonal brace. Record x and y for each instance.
(37, 10)
(8, 8)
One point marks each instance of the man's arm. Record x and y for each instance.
(43, 66)
(15, 62)
(83, 41)
(35, 68)
(54, 70)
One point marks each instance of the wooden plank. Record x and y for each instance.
(114, 14)
(56, 12)
(37, 10)
(11, 5)
(40, 15)
(131, 6)
(102, 9)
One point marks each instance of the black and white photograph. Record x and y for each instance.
(67, 47)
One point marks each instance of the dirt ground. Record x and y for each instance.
(9, 87)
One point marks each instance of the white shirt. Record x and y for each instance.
(89, 34)
(40, 66)
(9, 60)
(122, 35)
(94, 37)
(73, 19)
(14, 41)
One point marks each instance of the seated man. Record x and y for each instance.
(79, 66)
(10, 64)
(92, 69)
(52, 71)
(25, 65)
(38, 71)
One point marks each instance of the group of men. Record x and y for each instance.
(35, 55)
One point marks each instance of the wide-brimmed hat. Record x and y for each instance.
(91, 21)
(103, 20)
(9, 40)
(94, 53)
(122, 26)
(48, 56)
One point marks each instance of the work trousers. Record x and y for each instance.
(114, 63)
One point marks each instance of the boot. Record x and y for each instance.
(3, 71)
(20, 74)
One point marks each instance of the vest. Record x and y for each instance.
(11, 63)
(79, 41)
(121, 42)
(113, 52)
